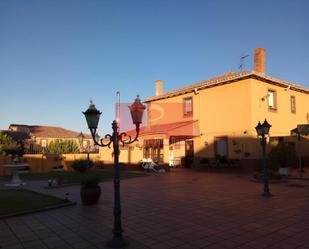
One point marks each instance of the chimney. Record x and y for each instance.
(260, 60)
(159, 87)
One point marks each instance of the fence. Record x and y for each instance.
(37, 149)
(45, 163)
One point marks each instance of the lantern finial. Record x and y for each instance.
(92, 116)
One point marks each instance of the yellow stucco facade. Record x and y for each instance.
(226, 112)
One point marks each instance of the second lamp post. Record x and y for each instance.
(263, 131)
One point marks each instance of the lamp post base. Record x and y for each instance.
(117, 242)
(266, 194)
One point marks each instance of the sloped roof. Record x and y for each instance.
(16, 135)
(180, 129)
(225, 79)
(50, 131)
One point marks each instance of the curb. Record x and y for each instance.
(38, 210)
(67, 203)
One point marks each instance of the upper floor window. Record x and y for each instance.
(187, 106)
(293, 104)
(272, 99)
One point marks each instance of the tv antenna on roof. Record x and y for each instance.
(242, 60)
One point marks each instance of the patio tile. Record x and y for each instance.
(181, 209)
(34, 245)
(17, 246)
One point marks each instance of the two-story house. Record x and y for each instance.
(217, 117)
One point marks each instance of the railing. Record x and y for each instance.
(43, 150)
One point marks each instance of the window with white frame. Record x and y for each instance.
(187, 107)
(272, 99)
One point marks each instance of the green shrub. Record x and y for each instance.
(281, 155)
(59, 146)
(82, 165)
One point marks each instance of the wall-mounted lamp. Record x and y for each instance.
(265, 97)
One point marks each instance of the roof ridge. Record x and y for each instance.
(228, 75)
(221, 79)
(37, 126)
(54, 130)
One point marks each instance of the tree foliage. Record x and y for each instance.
(59, 146)
(8, 146)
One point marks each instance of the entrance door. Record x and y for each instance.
(221, 148)
(189, 153)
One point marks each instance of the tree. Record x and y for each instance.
(59, 146)
(8, 146)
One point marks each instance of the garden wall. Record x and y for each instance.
(45, 163)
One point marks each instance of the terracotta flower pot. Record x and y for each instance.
(90, 196)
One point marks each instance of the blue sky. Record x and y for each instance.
(56, 55)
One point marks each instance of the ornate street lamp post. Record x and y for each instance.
(263, 131)
(92, 116)
(81, 145)
(81, 140)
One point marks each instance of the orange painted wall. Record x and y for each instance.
(232, 110)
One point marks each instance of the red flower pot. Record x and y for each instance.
(90, 196)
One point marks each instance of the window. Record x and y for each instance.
(153, 148)
(272, 99)
(221, 147)
(187, 107)
(176, 142)
(293, 104)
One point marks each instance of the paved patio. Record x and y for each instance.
(181, 209)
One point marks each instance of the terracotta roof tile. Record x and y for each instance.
(185, 129)
(225, 79)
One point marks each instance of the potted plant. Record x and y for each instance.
(90, 190)
(280, 156)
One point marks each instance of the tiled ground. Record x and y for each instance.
(181, 209)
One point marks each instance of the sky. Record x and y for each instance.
(56, 55)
